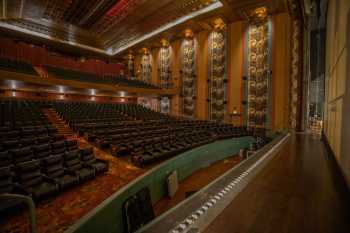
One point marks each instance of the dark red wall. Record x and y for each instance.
(38, 56)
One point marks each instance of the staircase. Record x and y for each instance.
(60, 124)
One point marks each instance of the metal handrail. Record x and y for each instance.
(30, 204)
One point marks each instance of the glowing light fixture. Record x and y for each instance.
(164, 42)
(145, 50)
(219, 24)
(13, 84)
(188, 33)
(60, 89)
(260, 12)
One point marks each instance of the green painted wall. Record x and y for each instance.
(108, 218)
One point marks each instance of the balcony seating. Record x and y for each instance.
(72, 163)
(16, 66)
(53, 168)
(88, 158)
(33, 182)
(94, 78)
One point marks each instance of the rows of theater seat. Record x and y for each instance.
(42, 170)
(89, 77)
(34, 159)
(16, 66)
(145, 135)
(22, 113)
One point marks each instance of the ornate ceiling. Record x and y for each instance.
(109, 27)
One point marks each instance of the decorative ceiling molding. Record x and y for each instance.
(110, 27)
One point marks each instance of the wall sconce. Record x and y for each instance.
(164, 43)
(219, 24)
(188, 33)
(257, 15)
(145, 51)
(130, 56)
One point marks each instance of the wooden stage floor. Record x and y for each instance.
(298, 191)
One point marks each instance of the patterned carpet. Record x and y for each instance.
(60, 212)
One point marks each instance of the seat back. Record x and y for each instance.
(43, 140)
(5, 159)
(87, 155)
(58, 147)
(72, 160)
(41, 151)
(22, 155)
(10, 144)
(71, 145)
(24, 142)
(53, 166)
(6, 180)
(28, 174)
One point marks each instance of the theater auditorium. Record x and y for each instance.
(174, 116)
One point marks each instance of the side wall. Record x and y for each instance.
(337, 86)
(281, 33)
(281, 70)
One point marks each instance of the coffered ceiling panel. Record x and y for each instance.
(109, 27)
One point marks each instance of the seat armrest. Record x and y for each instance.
(17, 188)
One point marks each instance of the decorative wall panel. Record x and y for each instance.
(164, 60)
(189, 84)
(295, 88)
(131, 67)
(217, 75)
(146, 68)
(258, 75)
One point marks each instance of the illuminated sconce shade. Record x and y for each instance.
(258, 14)
(145, 51)
(219, 24)
(188, 33)
(164, 43)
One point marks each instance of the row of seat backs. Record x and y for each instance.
(29, 175)
(38, 152)
(39, 131)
